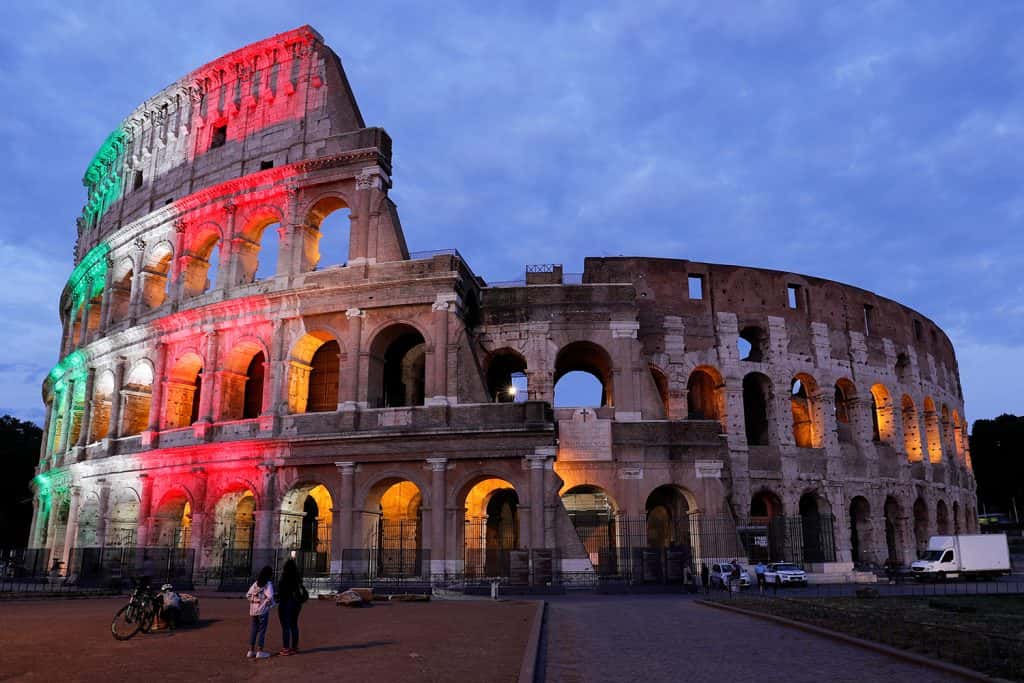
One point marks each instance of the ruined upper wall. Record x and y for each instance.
(275, 102)
(754, 294)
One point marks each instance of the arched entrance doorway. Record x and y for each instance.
(306, 527)
(395, 536)
(491, 528)
(815, 530)
(593, 515)
(234, 533)
(765, 540)
(860, 530)
(668, 554)
(172, 521)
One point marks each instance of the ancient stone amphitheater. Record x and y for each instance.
(230, 393)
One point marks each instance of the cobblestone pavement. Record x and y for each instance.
(671, 638)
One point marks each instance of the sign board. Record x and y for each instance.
(584, 437)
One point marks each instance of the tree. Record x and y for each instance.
(19, 453)
(997, 447)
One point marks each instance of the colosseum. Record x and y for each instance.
(232, 392)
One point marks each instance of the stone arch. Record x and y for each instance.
(911, 429)
(705, 394)
(660, 378)
(121, 282)
(753, 344)
(593, 513)
(667, 513)
(242, 379)
(234, 532)
(942, 526)
(123, 517)
(137, 395)
(200, 269)
(397, 366)
(392, 525)
(156, 271)
(861, 536)
(183, 389)
(172, 518)
(318, 210)
(506, 376)
(845, 405)
(257, 258)
(958, 436)
(882, 420)
(306, 512)
(589, 358)
(765, 505)
(816, 527)
(102, 402)
(805, 408)
(314, 373)
(932, 430)
(757, 400)
(491, 525)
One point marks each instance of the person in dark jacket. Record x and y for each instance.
(705, 578)
(291, 594)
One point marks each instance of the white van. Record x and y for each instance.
(950, 557)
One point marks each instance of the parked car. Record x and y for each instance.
(785, 573)
(720, 572)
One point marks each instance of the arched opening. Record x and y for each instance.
(882, 426)
(911, 429)
(269, 241)
(121, 291)
(583, 376)
(593, 515)
(331, 217)
(661, 386)
(942, 518)
(306, 527)
(803, 394)
(398, 367)
(767, 529)
(752, 344)
(155, 276)
(491, 527)
(172, 521)
(200, 273)
(845, 396)
(103, 393)
(234, 536)
(94, 304)
(241, 389)
(931, 424)
(704, 391)
(314, 374)
(506, 377)
(397, 542)
(958, 436)
(122, 519)
(756, 399)
(816, 529)
(920, 525)
(893, 524)
(183, 389)
(860, 530)
(957, 523)
(668, 523)
(137, 394)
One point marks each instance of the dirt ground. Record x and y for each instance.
(70, 640)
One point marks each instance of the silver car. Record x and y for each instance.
(722, 571)
(785, 573)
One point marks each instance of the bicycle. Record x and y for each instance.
(138, 614)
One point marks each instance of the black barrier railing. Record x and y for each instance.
(114, 566)
(803, 539)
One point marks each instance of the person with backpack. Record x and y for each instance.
(261, 601)
(292, 594)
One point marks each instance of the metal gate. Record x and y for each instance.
(489, 546)
(397, 550)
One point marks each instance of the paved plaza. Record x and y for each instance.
(69, 640)
(671, 638)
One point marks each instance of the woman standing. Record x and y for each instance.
(292, 594)
(261, 600)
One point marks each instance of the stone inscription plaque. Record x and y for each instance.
(584, 437)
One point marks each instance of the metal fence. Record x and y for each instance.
(802, 539)
(93, 568)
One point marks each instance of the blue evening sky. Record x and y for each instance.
(875, 143)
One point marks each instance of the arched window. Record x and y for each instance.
(506, 377)
(254, 387)
(756, 399)
(324, 378)
(201, 265)
(256, 248)
(803, 396)
(753, 344)
(398, 367)
(911, 429)
(845, 395)
(330, 216)
(882, 419)
(137, 393)
(184, 388)
(932, 430)
(703, 395)
(121, 291)
(156, 276)
(573, 387)
(241, 389)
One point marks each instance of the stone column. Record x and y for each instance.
(51, 526)
(438, 502)
(341, 536)
(157, 398)
(108, 285)
(268, 500)
(206, 391)
(348, 387)
(104, 510)
(38, 520)
(176, 271)
(536, 464)
(198, 525)
(83, 433)
(442, 306)
(145, 502)
(114, 428)
(71, 531)
(83, 333)
(69, 409)
(226, 267)
(138, 282)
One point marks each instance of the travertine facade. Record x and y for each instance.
(357, 410)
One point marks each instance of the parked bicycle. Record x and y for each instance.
(138, 614)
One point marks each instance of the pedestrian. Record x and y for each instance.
(759, 570)
(261, 601)
(734, 577)
(170, 610)
(291, 595)
(705, 578)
